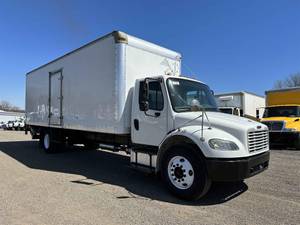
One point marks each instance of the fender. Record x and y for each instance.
(175, 138)
(191, 135)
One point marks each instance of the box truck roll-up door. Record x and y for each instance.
(55, 98)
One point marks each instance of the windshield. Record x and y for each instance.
(183, 92)
(282, 111)
(226, 110)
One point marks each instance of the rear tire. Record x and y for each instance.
(184, 173)
(47, 143)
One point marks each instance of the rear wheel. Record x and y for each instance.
(184, 173)
(47, 143)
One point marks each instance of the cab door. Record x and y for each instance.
(150, 127)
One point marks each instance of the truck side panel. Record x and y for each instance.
(97, 84)
(88, 89)
(233, 100)
(253, 102)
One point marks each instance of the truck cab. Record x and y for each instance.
(175, 121)
(282, 116)
(284, 124)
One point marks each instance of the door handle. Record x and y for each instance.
(157, 114)
(136, 124)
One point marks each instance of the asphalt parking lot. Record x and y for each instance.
(99, 187)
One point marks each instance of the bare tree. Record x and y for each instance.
(292, 81)
(279, 84)
(7, 106)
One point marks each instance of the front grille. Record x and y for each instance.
(258, 140)
(274, 125)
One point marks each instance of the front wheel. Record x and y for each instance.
(184, 173)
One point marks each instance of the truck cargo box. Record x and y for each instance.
(89, 88)
(288, 96)
(248, 103)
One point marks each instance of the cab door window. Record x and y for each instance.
(156, 100)
(155, 96)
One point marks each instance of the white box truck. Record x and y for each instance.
(241, 103)
(127, 94)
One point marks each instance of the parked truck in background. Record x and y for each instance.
(19, 124)
(9, 125)
(242, 103)
(282, 116)
(127, 94)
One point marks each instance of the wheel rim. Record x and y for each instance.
(46, 141)
(181, 172)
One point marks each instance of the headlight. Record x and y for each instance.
(219, 144)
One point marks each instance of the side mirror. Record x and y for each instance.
(144, 96)
(145, 90)
(257, 114)
(212, 92)
(236, 111)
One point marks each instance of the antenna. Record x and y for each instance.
(188, 68)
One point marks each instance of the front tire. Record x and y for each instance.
(184, 173)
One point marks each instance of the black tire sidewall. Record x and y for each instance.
(201, 182)
(51, 148)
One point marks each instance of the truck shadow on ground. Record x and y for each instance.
(283, 148)
(110, 168)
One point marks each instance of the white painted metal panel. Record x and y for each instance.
(253, 102)
(141, 62)
(89, 91)
(7, 116)
(37, 99)
(243, 100)
(97, 83)
(155, 126)
(231, 100)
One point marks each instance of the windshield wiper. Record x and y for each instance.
(183, 108)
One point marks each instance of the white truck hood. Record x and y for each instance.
(223, 126)
(218, 120)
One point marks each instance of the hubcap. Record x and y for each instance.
(46, 141)
(181, 173)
